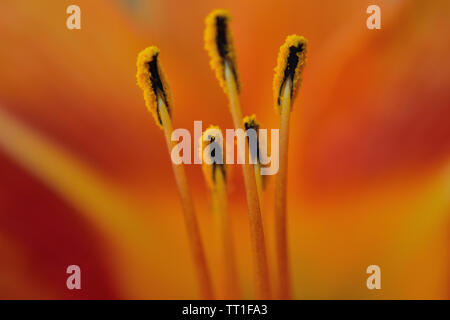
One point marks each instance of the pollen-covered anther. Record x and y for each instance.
(213, 157)
(219, 44)
(290, 64)
(250, 122)
(151, 79)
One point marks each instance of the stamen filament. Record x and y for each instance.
(151, 79)
(256, 226)
(215, 172)
(188, 208)
(259, 183)
(220, 208)
(280, 196)
(286, 83)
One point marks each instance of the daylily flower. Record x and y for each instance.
(86, 179)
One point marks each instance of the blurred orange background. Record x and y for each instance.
(85, 177)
